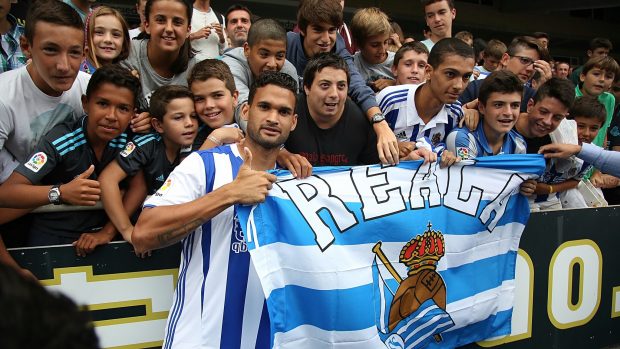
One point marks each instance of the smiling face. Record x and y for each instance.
(107, 38)
(271, 116)
(501, 112)
(587, 128)
(319, 37)
(214, 103)
(374, 49)
(542, 118)
(179, 124)
(411, 68)
(109, 109)
(237, 27)
(439, 18)
(561, 70)
(57, 52)
(596, 81)
(265, 55)
(168, 26)
(327, 96)
(451, 77)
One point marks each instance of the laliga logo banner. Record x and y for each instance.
(409, 256)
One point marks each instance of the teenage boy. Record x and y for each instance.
(64, 166)
(219, 302)
(265, 50)
(439, 15)
(524, 57)
(155, 155)
(499, 103)
(371, 32)
(326, 117)
(410, 62)
(215, 100)
(11, 55)
(318, 22)
(425, 114)
(491, 55)
(599, 47)
(596, 78)
(238, 23)
(47, 91)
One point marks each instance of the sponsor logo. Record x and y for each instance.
(462, 152)
(164, 188)
(129, 148)
(36, 162)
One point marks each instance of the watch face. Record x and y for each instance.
(378, 118)
(54, 195)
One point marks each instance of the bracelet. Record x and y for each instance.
(550, 189)
(214, 140)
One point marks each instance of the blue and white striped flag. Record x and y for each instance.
(409, 256)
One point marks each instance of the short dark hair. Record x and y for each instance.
(540, 35)
(237, 7)
(163, 96)
(606, 63)
(527, 42)
(449, 46)
(416, 46)
(318, 11)
(428, 2)
(212, 68)
(561, 89)
(266, 29)
(589, 107)
(321, 61)
(279, 79)
(117, 76)
(601, 42)
(186, 52)
(33, 317)
(500, 81)
(53, 12)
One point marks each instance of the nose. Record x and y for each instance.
(62, 64)
(107, 37)
(189, 121)
(168, 28)
(332, 91)
(209, 103)
(507, 109)
(111, 113)
(271, 63)
(325, 36)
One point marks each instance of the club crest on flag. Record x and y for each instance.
(411, 311)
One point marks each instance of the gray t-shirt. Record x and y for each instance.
(373, 72)
(149, 79)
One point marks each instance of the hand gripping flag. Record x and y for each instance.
(410, 256)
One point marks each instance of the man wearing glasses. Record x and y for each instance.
(525, 57)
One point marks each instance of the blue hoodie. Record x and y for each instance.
(359, 92)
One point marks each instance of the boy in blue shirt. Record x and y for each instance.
(500, 100)
(155, 155)
(64, 166)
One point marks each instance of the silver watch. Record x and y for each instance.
(54, 195)
(378, 117)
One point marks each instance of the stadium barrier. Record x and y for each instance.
(568, 284)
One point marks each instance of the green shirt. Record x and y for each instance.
(609, 101)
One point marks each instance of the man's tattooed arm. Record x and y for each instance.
(170, 237)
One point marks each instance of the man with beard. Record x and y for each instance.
(238, 22)
(218, 301)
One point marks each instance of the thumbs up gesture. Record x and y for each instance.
(250, 186)
(81, 191)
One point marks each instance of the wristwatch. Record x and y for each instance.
(54, 194)
(378, 117)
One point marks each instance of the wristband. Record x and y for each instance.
(550, 189)
(214, 140)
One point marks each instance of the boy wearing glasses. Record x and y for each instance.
(524, 58)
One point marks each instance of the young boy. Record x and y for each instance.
(410, 63)
(371, 33)
(156, 155)
(499, 103)
(596, 78)
(215, 100)
(492, 55)
(265, 50)
(47, 92)
(425, 114)
(67, 161)
(318, 22)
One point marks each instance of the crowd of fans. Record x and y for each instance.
(93, 111)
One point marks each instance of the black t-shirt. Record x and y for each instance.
(613, 133)
(148, 152)
(533, 144)
(61, 155)
(352, 140)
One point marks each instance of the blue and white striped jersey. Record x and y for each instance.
(219, 302)
(398, 105)
(473, 144)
